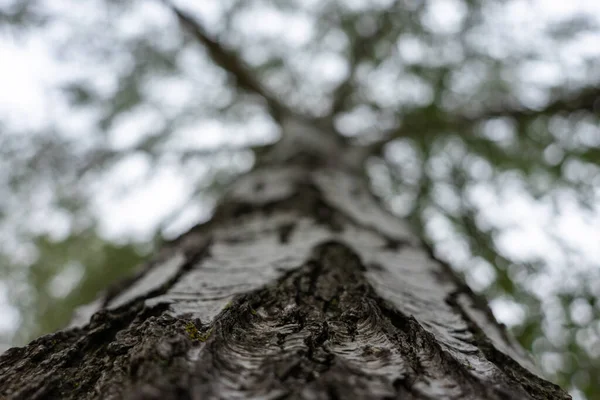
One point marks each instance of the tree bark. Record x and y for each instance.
(301, 286)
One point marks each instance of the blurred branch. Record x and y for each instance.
(431, 120)
(362, 48)
(101, 156)
(341, 93)
(587, 99)
(230, 62)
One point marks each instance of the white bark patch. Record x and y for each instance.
(158, 275)
(267, 185)
(349, 195)
(239, 267)
(493, 332)
(302, 137)
(406, 279)
(248, 227)
(82, 314)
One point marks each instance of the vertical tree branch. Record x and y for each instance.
(232, 63)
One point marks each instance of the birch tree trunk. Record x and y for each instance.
(301, 286)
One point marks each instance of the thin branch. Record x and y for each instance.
(360, 49)
(100, 157)
(342, 92)
(230, 62)
(587, 99)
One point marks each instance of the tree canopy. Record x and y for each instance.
(121, 122)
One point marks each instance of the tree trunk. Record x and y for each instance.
(301, 286)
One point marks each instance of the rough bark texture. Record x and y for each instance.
(301, 286)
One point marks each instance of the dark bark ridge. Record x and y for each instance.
(301, 286)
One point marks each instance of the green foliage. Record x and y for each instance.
(65, 274)
(456, 97)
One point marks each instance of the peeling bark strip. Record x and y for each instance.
(291, 291)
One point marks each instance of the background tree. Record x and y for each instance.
(466, 105)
